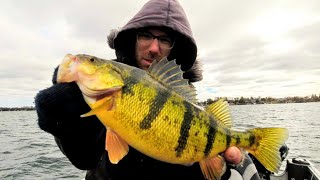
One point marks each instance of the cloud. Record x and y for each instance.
(252, 66)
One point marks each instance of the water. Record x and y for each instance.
(26, 152)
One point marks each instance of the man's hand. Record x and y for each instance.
(233, 155)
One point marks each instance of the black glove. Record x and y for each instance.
(81, 139)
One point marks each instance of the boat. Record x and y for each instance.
(297, 169)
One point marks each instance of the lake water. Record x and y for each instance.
(26, 152)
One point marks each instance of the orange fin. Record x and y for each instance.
(117, 148)
(213, 168)
(105, 104)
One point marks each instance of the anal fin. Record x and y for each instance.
(117, 148)
(213, 168)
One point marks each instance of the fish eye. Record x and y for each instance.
(92, 59)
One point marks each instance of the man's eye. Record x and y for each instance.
(165, 40)
(145, 36)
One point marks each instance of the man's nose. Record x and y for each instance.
(154, 47)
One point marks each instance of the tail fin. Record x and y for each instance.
(267, 144)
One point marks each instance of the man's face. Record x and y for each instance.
(154, 49)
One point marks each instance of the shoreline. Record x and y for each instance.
(200, 103)
(17, 108)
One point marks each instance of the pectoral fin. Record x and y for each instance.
(100, 107)
(213, 168)
(117, 148)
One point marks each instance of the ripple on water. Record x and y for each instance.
(6, 152)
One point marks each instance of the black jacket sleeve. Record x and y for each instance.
(81, 139)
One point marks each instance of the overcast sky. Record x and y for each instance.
(247, 48)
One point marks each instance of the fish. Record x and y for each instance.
(155, 111)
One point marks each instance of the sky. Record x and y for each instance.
(247, 48)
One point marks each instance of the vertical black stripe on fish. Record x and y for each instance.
(238, 140)
(252, 139)
(211, 135)
(156, 106)
(228, 137)
(130, 81)
(184, 129)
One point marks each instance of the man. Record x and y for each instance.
(160, 29)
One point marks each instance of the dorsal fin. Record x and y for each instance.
(170, 75)
(221, 112)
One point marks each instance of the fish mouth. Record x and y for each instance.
(66, 71)
(99, 94)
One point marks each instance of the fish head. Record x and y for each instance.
(96, 78)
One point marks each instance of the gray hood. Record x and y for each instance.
(167, 14)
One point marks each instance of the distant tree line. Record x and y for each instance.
(25, 108)
(236, 101)
(264, 100)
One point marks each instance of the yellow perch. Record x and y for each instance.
(154, 111)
